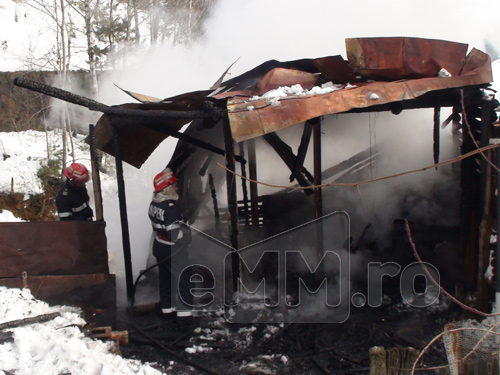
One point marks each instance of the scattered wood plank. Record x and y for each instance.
(31, 320)
(121, 337)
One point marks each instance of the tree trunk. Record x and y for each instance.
(136, 23)
(89, 32)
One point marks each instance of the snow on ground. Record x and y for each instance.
(23, 153)
(8, 217)
(58, 346)
(49, 348)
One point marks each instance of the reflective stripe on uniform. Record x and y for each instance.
(158, 226)
(163, 241)
(173, 226)
(80, 208)
(65, 214)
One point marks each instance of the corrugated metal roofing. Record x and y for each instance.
(377, 72)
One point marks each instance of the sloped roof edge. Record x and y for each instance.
(406, 68)
(378, 71)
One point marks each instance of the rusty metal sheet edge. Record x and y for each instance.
(252, 119)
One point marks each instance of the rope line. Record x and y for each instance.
(360, 183)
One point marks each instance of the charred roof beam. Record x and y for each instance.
(156, 124)
(304, 144)
(209, 111)
(286, 154)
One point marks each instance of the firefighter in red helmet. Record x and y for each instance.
(172, 236)
(72, 200)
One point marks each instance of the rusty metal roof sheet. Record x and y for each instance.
(378, 71)
(388, 70)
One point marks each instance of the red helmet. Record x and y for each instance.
(163, 179)
(77, 172)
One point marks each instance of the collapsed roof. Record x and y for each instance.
(392, 73)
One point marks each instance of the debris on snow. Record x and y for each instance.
(57, 346)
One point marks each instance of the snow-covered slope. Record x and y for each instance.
(57, 346)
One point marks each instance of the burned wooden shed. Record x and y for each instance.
(229, 122)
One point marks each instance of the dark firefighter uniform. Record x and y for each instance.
(171, 239)
(73, 203)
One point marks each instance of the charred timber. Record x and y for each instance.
(158, 126)
(127, 254)
(214, 196)
(94, 159)
(232, 203)
(304, 144)
(252, 170)
(244, 185)
(207, 112)
(286, 154)
(31, 320)
(437, 125)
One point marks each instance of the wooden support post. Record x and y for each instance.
(437, 126)
(318, 196)
(304, 144)
(123, 216)
(244, 186)
(286, 154)
(96, 180)
(486, 206)
(214, 196)
(232, 204)
(470, 214)
(254, 194)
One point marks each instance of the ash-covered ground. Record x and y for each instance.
(209, 344)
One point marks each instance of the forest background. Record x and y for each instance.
(73, 44)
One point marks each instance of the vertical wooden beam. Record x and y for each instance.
(232, 203)
(244, 185)
(470, 214)
(286, 154)
(96, 180)
(318, 196)
(304, 144)
(437, 126)
(486, 207)
(214, 196)
(123, 215)
(254, 194)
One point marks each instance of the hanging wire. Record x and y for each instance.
(355, 184)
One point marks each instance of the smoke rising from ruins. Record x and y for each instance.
(256, 31)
